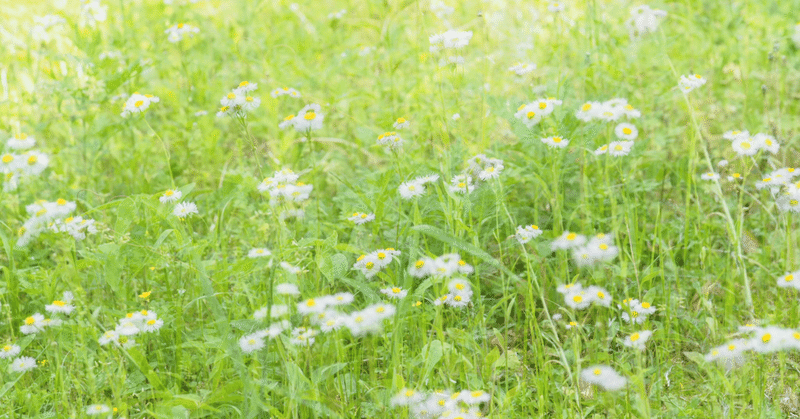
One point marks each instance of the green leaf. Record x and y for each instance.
(126, 211)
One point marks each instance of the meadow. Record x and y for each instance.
(399, 208)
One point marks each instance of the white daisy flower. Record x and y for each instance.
(412, 189)
(287, 289)
(604, 377)
(710, 176)
(138, 103)
(620, 148)
(361, 217)
(394, 292)
(251, 343)
(97, 409)
(177, 32)
(745, 146)
(568, 240)
(400, 123)
(527, 233)
(9, 351)
(638, 340)
(170, 195)
(522, 69)
(184, 209)
(23, 363)
(258, 252)
(309, 119)
(152, 325)
(691, 82)
(33, 324)
(21, 141)
(734, 134)
(108, 337)
(626, 131)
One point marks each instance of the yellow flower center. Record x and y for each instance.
(577, 298)
(542, 105)
(32, 160)
(8, 158)
(531, 115)
(618, 147)
(249, 99)
(231, 95)
(459, 286)
(731, 347)
(601, 295)
(370, 265)
(381, 255)
(180, 26)
(310, 302)
(627, 131)
(745, 146)
(789, 278)
(736, 175)
(138, 103)
(571, 236)
(462, 185)
(380, 309)
(401, 120)
(634, 337)
(61, 201)
(59, 303)
(7, 348)
(573, 324)
(412, 188)
(30, 320)
(151, 322)
(645, 305)
(41, 212)
(457, 298)
(766, 337)
(309, 116)
(556, 139)
(603, 246)
(419, 264)
(244, 83)
(363, 216)
(251, 342)
(360, 258)
(596, 371)
(396, 290)
(586, 107)
(224, 108)
(409, 393)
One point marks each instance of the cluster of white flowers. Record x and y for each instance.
(93, 12)
(255, 341)
(137, 322)
(372, 263)
(284, 187)
(599, 248)
(579, 298)
(361, 217)
(43, 214)
(481, 167)
(308, 119)
(97, 409)
(285, 91)
(522, 69)
(610, 110)
(459, 293)
(15, 167)
(532, 113)
(416, 186)
(77, 227)
(394, 292)
(239, 101)
(604, 377)
(170, 195)
(463, 404)
(745, 144)
(138, 103)
(400, 123)
(390, 140)
(443, 266)
(778, 179)
(636, 311)
(691, 82)
(644, 20)
(555, 142)
(450, 40)
(527, 233)
(176, 33)
(768, 339)
(37, 323)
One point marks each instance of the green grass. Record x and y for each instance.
(695, 249)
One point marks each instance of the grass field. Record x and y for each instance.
(381, 209)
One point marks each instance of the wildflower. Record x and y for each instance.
(644, 20)
(33, 324)
(588, 111)
(152, 325)
(570, 325)
(555, 7)
(555, 142)
(361, 218)
(600, 296)
(569, 288)
(108, 337)
(177, 32)
(729, 353)
(406, 397)
(462, 184)
(568, 240)
(638, 340)
(458, 300)
(455, 117)
(710, 176)
(734, 134)
(97, 409)
(603, 149)
(170, 195)
(285, 91)
(400, 123)
(394, 292)
(722, 163)
(258, 253)
(604, 377)
(390, 140)
(790, 279)
(412, 189)
(619, 148)
(9, 351)
(522, 69)
(578, 299)
(251, 343)
(60, 306)
(23, 363)
(527, 233)
(290, 268)
(691, 82)
(421, 268)
(745, 146)
(184, 209)
(309, 119)
(474, 397)
(21, 141)
(626, 131)
(138, 103)
(450, 39)
(287, 289)
(767, 142)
